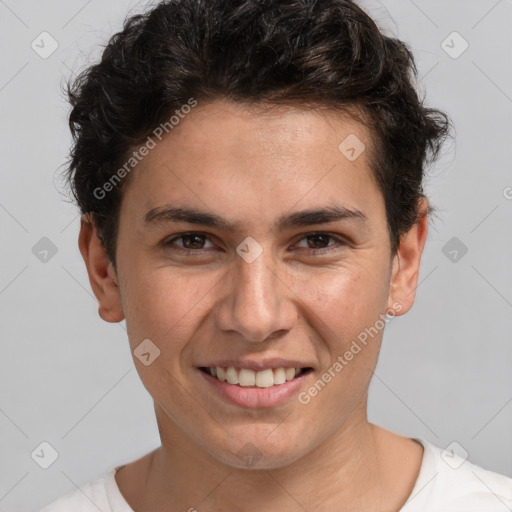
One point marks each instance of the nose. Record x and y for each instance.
(258, 304)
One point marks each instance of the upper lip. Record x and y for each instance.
(257, 364)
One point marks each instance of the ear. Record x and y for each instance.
(406, 263)
(102, 277)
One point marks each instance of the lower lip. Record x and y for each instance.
(253, 397)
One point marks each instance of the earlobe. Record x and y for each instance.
(406, 264)
(101, 273)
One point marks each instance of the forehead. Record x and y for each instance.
(228, 156)
(263, 130)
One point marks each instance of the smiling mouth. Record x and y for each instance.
(244, 377)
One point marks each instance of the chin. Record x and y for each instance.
(259, 452)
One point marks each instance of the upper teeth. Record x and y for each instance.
(262, 379)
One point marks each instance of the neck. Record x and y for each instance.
(356, 468)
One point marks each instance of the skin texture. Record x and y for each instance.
(252, 167)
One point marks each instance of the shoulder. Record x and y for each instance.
(449, 483)
(90, 497)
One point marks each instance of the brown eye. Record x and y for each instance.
(318, 243)
(193, 241)
(190, 242)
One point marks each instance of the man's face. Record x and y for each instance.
(263, 295)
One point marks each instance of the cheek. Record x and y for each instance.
(165, 307)
(168, 304)
(347, 324)
(161, 305)
(169, 300)
(347, 310)
(345, 299)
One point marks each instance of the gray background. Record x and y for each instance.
(67, 377)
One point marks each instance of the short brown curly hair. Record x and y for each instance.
(327, 52)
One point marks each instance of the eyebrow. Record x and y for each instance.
(167, 214)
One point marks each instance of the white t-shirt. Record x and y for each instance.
(444, 484)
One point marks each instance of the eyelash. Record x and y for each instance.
(168, 244)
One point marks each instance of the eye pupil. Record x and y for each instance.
(193, 236)
(317, 236)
